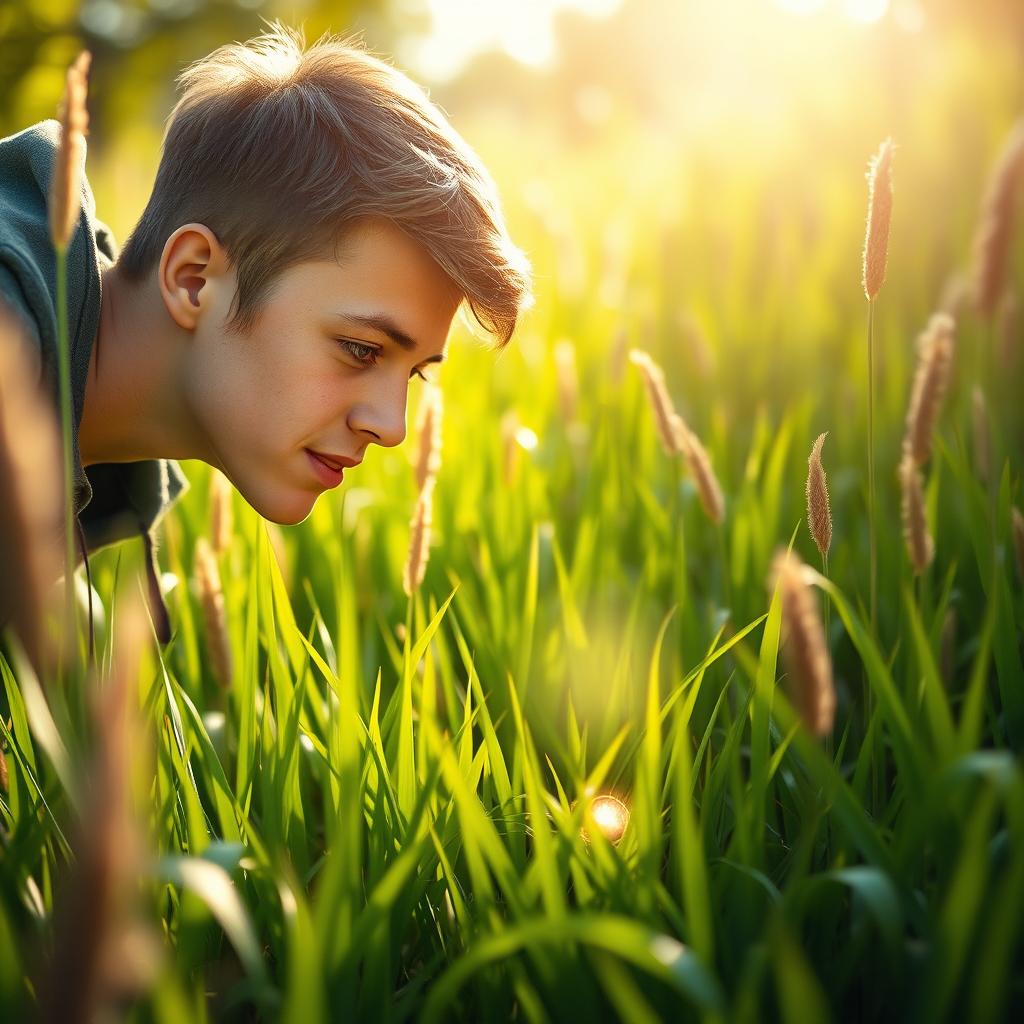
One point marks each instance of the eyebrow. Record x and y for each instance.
(385, 325)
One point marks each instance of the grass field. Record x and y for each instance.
(358, 805)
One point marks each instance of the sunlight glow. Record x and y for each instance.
(611, 816)
(858, 10)
(460, 29)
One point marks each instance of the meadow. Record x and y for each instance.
(328, 798)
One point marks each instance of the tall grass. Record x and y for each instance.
(394, 811)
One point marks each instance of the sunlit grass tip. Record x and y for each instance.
(931, 379)
(66, 186)
(566, 380)
(819, 513)
(879, 220)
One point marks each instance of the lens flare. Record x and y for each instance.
(610, 815)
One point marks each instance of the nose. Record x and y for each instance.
(380, 416)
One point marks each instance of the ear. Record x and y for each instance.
(191, 265)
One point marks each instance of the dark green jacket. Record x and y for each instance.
(112, 501)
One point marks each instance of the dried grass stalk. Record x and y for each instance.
(101, 952)
(915, 526)
(211, 600)
(66, 187)
(993, 238)
(661, 403)
(934, 361)
(697, 461)
(419, 543)
(31, 512)
(428, 436)
(876, 239)
(805, 650)
(1017, 528)
(981, 435)
(819, 514)
(567, 381)
(221, 512)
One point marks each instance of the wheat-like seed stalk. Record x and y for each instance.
(981, 435)
(805, 649)
(915, 526)
(221, 512)
(993, 238)
(819, 514)
(661, 403)
(935, 357)
(419, 543)
(428, 435)
(509, 446)
(1017, 527)
(31, 517)
(697, 461)
(102, 954)
(876, 238)
(66, 187)
(211, 600)
(568, 384)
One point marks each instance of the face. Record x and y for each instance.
(327, 367)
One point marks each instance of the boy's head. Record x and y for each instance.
(315, 206)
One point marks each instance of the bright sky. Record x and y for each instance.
(460, 29)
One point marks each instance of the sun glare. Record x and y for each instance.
(460, 29)
(858, 10)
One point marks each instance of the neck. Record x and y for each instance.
(134, 407)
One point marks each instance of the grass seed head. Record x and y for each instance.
(428, 435)
(931, 379)
(66, 187)
(658, 396)
(819, 514)
(699, 465)
(915, 526)
(419, 542)
(993, 240)
(876, 240)
(221, 509)
(31, 513)
(805, 648)
(211, 599)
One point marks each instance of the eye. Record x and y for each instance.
(417, 373)
(360, 352)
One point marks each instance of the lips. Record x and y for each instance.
(328, 474)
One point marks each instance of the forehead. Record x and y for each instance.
(377, 270)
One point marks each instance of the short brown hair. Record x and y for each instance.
(278, 149)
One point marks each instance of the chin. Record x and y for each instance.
(285, 507)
